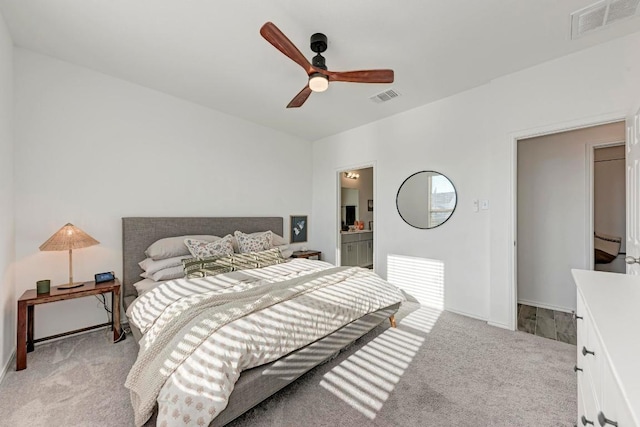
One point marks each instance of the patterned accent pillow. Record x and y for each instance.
(253, 242)
(202, 249)
(202, 267)
(211, 266)
(269, 257)
(251, 260)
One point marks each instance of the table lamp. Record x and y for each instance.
(68, 238)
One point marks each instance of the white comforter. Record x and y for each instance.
(198, 390)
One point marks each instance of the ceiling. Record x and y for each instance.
(211, 52)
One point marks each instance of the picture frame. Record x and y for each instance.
(298, 230)
(370, 205)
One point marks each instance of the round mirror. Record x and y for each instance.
(426, 199)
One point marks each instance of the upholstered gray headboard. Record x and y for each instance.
(140, 232)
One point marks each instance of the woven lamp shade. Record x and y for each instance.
(68, 237)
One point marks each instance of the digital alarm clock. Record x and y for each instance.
(105, 277)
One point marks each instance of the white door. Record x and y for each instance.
(633, 193)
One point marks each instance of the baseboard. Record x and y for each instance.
(102, 328)
(500, 325)
(6, 366)
(547, 306)
(463, 313)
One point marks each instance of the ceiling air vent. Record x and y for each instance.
(601, 14)
(387, 95)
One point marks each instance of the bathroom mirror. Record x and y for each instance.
(426, 199)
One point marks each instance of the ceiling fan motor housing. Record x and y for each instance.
(318, 42)
(318, 45)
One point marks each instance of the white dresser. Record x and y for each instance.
(608, 364)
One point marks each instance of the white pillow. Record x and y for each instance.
(255, 242)
(150, 266)
(278, 240)
(285, 250)
(165, 274)
(201, 249)
(173, 246)
(145, 285)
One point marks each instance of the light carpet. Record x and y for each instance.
(434, 369)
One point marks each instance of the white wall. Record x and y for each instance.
(553, 199)
(7, 227)
(91, 149)
(470, 138)
(429, 137)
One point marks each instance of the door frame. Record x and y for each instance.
(337, 207)
(514, 137)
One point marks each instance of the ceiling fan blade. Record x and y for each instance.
(300, 98)
(361, 76)
(273, 35)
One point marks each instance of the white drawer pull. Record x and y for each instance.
(585, 421)
(585, 351)
(604, 421)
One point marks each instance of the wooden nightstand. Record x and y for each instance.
(30, 299)
(307, 254)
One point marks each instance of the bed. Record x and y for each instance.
(257, 383)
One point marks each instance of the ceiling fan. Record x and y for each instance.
(319, 76)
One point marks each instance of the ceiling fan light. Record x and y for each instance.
(318, 82)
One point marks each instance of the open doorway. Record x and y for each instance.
(356, 236)
(609, 208)
(555, 223)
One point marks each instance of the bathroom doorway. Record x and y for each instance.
(356, 235)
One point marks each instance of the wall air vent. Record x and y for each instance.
(387, 95)
(601, 14)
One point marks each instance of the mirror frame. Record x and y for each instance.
(434, 172)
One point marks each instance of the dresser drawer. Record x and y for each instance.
(587, 406)
(592, 358)
(581, 326)
(614, 406)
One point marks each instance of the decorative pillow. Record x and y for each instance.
(201, 267)
(213, 265)
(202, 249)
(150, 266)
(173, 246)
(250, 260)
(165, 274)
(255, 242)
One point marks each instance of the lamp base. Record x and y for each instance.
(71, 285)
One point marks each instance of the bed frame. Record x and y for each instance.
(254, 385)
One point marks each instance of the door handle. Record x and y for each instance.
(631, 260)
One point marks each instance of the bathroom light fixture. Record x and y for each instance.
(318, 82)
(352, 175)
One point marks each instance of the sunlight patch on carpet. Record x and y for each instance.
(365, 379)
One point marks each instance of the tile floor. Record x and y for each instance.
(556, 325)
